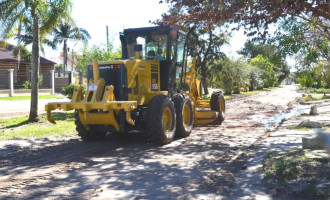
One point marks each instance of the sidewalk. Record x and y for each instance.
(250, 183)
(20, 108)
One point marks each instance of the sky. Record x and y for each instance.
(95, 15)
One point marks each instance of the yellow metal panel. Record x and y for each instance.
(198, 85)
(111, 62)
(203, 121)
(94, 91)
(108, 94)
(132, 70)
(105, 106)
(98, 119)
(206, 115)
(77, 95)
(139, 78)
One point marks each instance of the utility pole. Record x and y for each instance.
(107, 28)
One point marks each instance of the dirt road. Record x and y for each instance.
(205, 165)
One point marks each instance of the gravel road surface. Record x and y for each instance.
(209, 164)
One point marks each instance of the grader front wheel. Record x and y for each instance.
(184, 115)
(161, 120)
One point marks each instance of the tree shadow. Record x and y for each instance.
(126, 166)
(56, 117)
(17, 125)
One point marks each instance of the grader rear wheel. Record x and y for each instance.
(218, 104)
(161, 120)
(184, 115)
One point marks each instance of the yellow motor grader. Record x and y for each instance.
(154, 87)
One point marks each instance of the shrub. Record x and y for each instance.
(232, 75)
(27, 85)
(306, 78)
(324, 84)
(68, 91)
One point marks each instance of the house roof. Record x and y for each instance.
(6, 54)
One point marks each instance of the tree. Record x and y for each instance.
(59, 68)
(295, 36)
(319, 73)
(327, 73)
(25, 35)
(44, 15)
(208, 40)
(255, 16)
(267, 68)
(208, 43)
(255, 80)
(271, 53)
(231, 75)
(67, 30)
(306, 78)
(94, 52)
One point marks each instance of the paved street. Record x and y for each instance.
(18, 108)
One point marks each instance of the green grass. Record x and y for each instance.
(289, 165)
(17, 98)
(208, 97)
(20, 128)
(289, 170)
(299, 128)
(251, 92)
(315, 97)
(311, 90)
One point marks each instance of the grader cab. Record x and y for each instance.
(154, 88)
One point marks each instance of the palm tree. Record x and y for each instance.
(44, 16)
(27, 37)
(67, 30)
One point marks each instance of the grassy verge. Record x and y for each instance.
(17, 98)
(208, 97)
(20, 128)
(313, 97)
(299, 128)
(251, 92)
(291, 173)
(311, 90)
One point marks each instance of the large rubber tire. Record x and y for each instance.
(87, 135)
(184, 115)
(161, 120)
(218, 104)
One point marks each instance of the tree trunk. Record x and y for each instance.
(204, 82)
(35, 68)
(80, 78)
(65, 55)
(319, 83)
